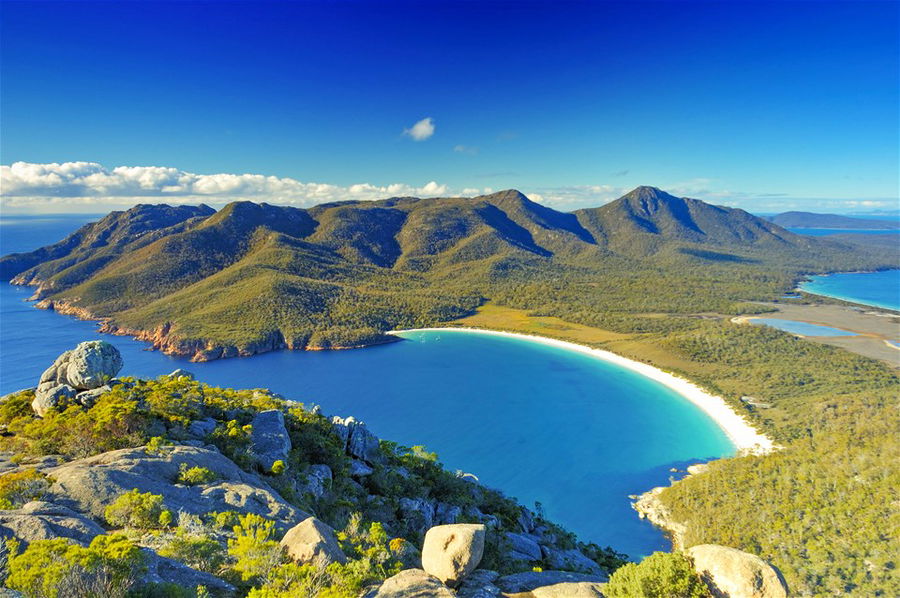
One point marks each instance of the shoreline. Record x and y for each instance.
(798, 287)
(743, 436)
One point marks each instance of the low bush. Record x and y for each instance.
(60, 568)
(660, 575)
(21, 487)
(136, 509)
(198, 551)
(194, 476)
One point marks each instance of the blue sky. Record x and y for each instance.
(761, 105)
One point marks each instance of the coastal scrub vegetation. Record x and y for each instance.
(241, 548)
(61, 568)
(660, 575)
(823, 508)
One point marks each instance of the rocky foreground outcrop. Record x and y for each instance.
(92, 484)
(76, 375)
(312, 541)
(451, 552)
(731, 573)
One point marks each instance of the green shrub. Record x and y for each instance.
(194, 476)
(223, 519)
(136, 509)
(200, 552)
(257, 553)
(660, 575)
(156, 445)
(20, 487)
(60, 568)
(278, 467)
(166, 518)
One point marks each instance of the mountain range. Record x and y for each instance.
(256, 277)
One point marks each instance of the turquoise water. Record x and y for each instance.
(803, 328)
(878, 289)
(539, 422)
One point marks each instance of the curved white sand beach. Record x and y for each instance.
(745, 437)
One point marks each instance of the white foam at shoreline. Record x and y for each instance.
(742, 435)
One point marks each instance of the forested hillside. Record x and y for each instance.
(256, 277)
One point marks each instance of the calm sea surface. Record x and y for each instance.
(541, 423)
(878, 289)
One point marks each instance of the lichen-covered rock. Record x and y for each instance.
(411, 583)
(49, 396)
(201, 428)
(445, 514)
(522, 547)
(526, 521)
(359, 469)
(269, 439)
(359, 442)
(87, 398)
(312, 541)
(318, 479)
(451, 552)
(38, 520)
(479, 584)
(569, 590)
(90, 485)
(570, 560)
(416, 514)
(180, 373)
(732, 573)
(549, 583)
(90, 365)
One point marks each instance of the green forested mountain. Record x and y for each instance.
(253, 277)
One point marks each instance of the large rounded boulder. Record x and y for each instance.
(312, 542)
(451, 552)
(92, 364)
(731, 573)
(88, 366)
(411, 583)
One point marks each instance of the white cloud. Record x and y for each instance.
(91, 187)
(465, 149)
(422, 130)
(86, 186)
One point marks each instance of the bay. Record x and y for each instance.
(877, 289)
(542, 423)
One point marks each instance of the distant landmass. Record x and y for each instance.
(812, 220)
(256, 277)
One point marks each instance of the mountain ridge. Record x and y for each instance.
(253, 277)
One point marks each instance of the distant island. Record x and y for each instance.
(813, 220)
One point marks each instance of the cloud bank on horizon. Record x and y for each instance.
(91, 187)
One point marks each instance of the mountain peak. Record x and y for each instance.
(645, 193)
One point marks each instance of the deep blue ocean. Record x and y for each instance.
(541, 423)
